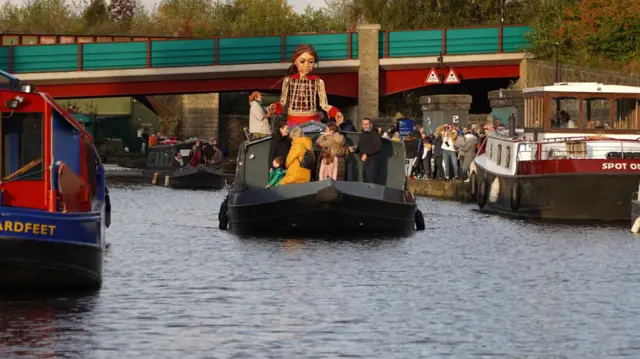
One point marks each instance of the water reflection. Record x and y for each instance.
(472, 285)
(35, 326)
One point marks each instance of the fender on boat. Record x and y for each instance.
(107, 207)
(223, 215)
(495, 190)
(481, 196)
(420, 226)
(515, 196)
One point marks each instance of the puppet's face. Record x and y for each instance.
(304, 63)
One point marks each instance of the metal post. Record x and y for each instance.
(440, 64)
(502, 12)
(557, 64)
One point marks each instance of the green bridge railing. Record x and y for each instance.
(254, 50)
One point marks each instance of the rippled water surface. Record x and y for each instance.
(471, 286)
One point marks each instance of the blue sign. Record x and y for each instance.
(405, 127)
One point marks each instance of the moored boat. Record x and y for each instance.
(324, 206)
(578, 157)
(160, 169)
(201, 177)
(53, 200)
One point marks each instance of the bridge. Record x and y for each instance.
(366, 64)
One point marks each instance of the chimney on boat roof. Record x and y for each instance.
(512, 125)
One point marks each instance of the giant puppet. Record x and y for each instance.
(302, 92)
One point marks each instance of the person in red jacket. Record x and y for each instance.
(195, 156)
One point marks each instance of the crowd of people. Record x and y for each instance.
(447, 153)
(200, 154)
(293, 160)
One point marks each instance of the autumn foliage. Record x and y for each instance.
(600, 33)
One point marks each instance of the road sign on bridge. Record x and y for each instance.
(432, 78)
(452, 77)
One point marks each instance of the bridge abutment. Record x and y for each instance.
(369, 72)
(201, 115)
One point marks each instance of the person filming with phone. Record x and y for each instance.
(369, 146)
(449, 153)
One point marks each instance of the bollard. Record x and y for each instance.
(155, 179)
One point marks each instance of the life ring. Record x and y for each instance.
(419, 219)
(107, 207)
(473, 180)
(223, 216)
(481, 197)
(515, 196)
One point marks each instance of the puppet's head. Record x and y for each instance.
(304, 58)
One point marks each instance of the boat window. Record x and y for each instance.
(499, 155)
(596, 113)
(566, 112)
(534, 112)
(22, 146)
(166, 160)
(627, 114)
(507, 162)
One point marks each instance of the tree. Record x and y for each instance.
(186, 17)
(588, 32)
(96, 13)
(122, 11)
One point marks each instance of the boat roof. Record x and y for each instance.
(584, 87)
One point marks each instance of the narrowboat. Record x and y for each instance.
(53, 200)
(576, 159)
(327, 206)
(160, 169)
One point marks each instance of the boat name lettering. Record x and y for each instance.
(27, 227)
(621, 166)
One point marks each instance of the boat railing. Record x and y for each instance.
(578, 150)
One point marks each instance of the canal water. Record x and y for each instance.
(471, 286)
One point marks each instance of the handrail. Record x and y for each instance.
(345, 48)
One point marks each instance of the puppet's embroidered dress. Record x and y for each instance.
(301, 96)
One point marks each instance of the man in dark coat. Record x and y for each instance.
(369, 146)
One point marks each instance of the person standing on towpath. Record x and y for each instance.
(369, 145)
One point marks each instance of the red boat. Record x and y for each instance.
(577, 157)
(54, 205)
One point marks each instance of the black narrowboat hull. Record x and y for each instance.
(562, 197)
(200, 177)
(40, 265)
(323, 207)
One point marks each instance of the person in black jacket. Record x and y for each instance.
(280, 142)
(369, 146)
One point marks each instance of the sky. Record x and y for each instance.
(298, 5)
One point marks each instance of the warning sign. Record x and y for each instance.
(452, 78)
(432, 78)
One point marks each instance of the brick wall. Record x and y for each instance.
(200, 115)
(369, 73)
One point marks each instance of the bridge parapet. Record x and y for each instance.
(130, 53)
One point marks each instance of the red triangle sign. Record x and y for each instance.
(432, 78)
(452, 78)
